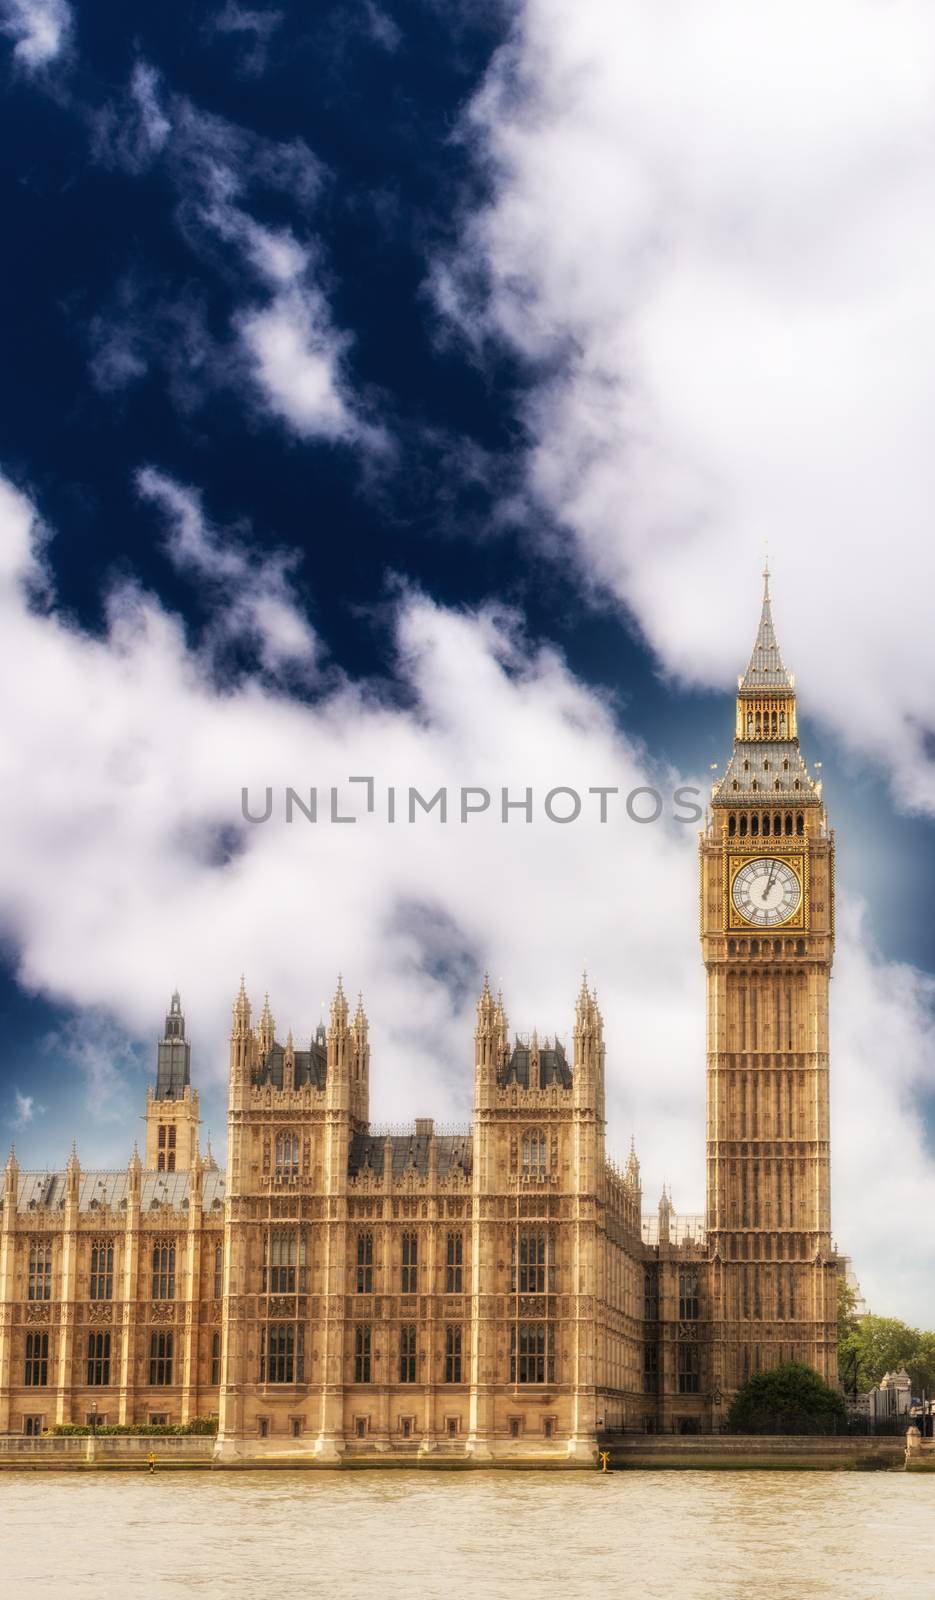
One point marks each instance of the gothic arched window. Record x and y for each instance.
(284, 1261)
(535, 1153)
(287, 1155)
(800, 823)
(36, 1374)
(40, 1269)
(98, 1360)
(365, 1264)
(102, 1270)
(409, 1281)
(164, 1269)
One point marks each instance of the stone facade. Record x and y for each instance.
(489, 1294)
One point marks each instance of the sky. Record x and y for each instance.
(412, 392)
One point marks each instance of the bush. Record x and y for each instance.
(76, 1430)
(791, 1398)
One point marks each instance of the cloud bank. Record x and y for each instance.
(710, 236)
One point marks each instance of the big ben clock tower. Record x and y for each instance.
(767, 934)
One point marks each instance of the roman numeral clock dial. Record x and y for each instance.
(766, 892)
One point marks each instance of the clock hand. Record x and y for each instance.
(769, 881)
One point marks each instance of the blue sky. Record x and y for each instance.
(409, 390)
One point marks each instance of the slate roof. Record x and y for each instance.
(99, 1189)
(755, 768)
(453, 1153)
(311, 1066)
(553, 1067)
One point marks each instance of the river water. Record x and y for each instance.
(671, 1535)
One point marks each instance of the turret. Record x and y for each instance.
(665, 1217)
(360, 1065)
(172, 1105)
(134, 1175)
(338, 1082)
(10, 1186)
(491, 1048)
(266, 1030)
(588, 1081)
(242, 1045)
(72, 1177)
(631, 1171)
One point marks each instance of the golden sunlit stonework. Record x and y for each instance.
(487, 1294)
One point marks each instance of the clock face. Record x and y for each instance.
(766, 892)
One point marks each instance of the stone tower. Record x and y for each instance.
(767, 933)
(172, 1107)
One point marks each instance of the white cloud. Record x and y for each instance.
(41, 29)
(122, 771)
(287, 349)
(253, 597)
(257, 25)
(296, 356)
(26, 1110)
(711, 235)
(381, 27)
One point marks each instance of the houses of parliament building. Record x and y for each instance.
(489, 1295)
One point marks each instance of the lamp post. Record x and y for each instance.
(94, 1419)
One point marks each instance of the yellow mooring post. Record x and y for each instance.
(605, 1457)
(152, 1461)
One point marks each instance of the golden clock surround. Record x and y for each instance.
(735, 859)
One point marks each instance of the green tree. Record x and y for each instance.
(791, 1398)
(882, 1344)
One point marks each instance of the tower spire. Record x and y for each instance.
(766, 669)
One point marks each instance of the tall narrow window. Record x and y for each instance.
(165, 1149)
(287, 1156)
(365, 1263)
(164, 1269)
(454, 1264)
(532, 1353)
(215, 1359)
(284, 1261)
(650, 1295)
(536, 1253)
(282, 1353)
(407, 1353)
(160, 1359)
(650, 1368)
(688, 1368)
(362, 1355)
(410, 1270)
(102, 1270)
(452, 1355)
(40, 1269)
(98, 1360)
(218, 1271)
(689, 1305)
(36, 1375)
(535, 1153)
